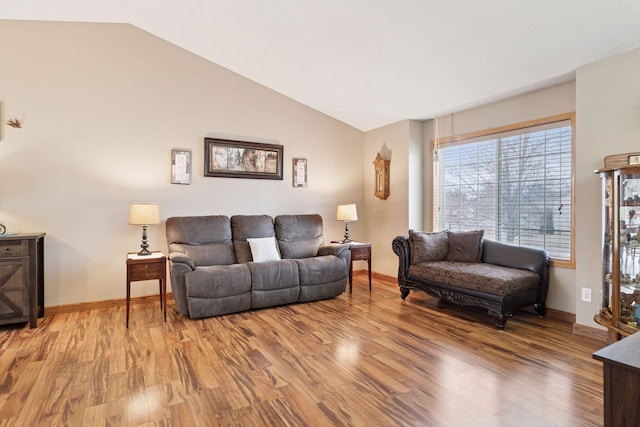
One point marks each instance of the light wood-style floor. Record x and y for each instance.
(361, 359)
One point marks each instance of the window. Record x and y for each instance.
(515, 183)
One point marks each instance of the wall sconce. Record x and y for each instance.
(144, 214)
(346, 213)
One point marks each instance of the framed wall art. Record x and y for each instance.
(180, 166)
(239, 159)
(299, 172)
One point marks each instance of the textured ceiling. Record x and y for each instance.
(374, 62)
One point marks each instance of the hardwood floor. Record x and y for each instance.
(361, 359)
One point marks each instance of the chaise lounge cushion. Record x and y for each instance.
(427, 247)
(481, 277)
(465, 246)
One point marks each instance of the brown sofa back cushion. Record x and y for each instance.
(465, 246)
(428, 247)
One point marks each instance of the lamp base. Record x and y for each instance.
(144, 251)
(346, 233)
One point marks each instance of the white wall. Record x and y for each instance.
(608, 122)
(102, 105)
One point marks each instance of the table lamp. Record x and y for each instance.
(346, 213)
(144, 214)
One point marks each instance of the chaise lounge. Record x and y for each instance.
(465, 269)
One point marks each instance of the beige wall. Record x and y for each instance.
(102, 106)
(608, 122)
(401, 143)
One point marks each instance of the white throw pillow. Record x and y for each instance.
(264, 249)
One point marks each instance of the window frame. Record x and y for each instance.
(522, 126)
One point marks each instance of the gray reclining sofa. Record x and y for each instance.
(213, 271)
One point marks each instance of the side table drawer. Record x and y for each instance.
(13, 248)
(360, 253)
(145, 271)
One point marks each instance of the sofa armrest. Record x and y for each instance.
(400, 246)
(179, 265)
(180, 258)
(332, 249)
(337, 249)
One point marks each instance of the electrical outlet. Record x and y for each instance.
(586, 294)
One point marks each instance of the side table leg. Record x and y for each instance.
(128, 299)
(369, 262)
(350, 276)
(163, 297)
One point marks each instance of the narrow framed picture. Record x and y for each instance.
(180, 166)
(299, 172)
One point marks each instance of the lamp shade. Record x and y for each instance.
(347, 213)
(142, 213)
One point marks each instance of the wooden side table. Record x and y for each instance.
(360, 251)
(147, 267)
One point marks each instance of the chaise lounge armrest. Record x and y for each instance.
(400, 247)
(181, 258)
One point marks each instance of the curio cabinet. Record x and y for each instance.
(620, 179)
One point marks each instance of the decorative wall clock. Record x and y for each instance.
(381, 177)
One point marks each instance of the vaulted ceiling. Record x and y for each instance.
(369, 63)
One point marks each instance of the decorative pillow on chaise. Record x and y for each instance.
(426, 247)
(465, 246)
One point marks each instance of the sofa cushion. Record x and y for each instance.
(321, 277)
(299, 236)
(264, 249)
(274, 283)
(321, 269)
(425, 247)
(465, 246)
(481, 277)
(204, 239)
(244, 227)
(218, 281)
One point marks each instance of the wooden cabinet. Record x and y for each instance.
(620, 311)
(21, 278)
(621, 375)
